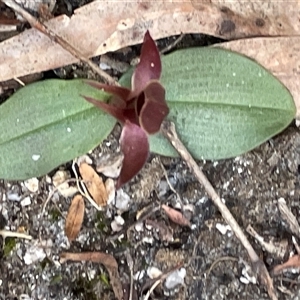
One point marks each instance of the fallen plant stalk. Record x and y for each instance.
(259, 268)
(6, 233)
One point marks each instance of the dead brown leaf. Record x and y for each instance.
(176, 216)
(74, 218)
(94, 184)
(292, 262)
(107, 260)
(103, 26)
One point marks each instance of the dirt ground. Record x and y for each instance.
(216, 265)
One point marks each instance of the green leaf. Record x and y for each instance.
(48, 123)
(223, 104)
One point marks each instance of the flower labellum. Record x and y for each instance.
(140, 109)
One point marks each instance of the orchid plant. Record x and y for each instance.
(141, 109)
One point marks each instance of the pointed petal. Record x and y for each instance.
(135, 147)
(154, 109)
(112, 110)
(149, 66)
(118, 91)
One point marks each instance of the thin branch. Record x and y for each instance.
(220, 259)
(6, 233)
(57, 39)
(173, 44)
(168, 130)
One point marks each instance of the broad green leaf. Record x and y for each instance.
(48, 123)
(223, 104)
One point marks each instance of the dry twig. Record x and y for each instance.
(173, 44)
(288, 217)
(168, 130)
(6, 233)
(220, 259)
(57, 39)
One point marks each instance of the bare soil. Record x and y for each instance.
(217, 266)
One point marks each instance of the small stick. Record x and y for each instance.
(173, 44)
(6, 233)
(223, 258)
(130, 265)
(168, 130)
(57, 39)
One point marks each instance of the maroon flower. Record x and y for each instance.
(141, 110)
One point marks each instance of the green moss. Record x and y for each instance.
(54, 214)
(9, 245)
(101, 222)
(55, 280)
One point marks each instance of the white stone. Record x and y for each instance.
(139, 275)
(13, 196)
(175, 278)
(111, 190)
(153, 272)
(244, 280)
(115, 226)
(139, 227)
(148, 240)
(119, 220)
(59, 181)
(103, 66)
(34, 254)
(26, 201)
(32, 184)
(122, 201)
(223, 228)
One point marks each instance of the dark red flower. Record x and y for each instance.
(140, 109)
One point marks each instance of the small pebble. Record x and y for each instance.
(223, 228)
(59, 181)
(148, 240)
(119, 220)
(153, 272)
(122, 201)
(32, 184)
(84, 159)
(115, 226)
(117, 223)
(139, 227)
(111, 190)
(13, 196)
(26, 201)
(110, 165)
(175, 278)
(104, 66)
(139, 275)
(35, 253)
